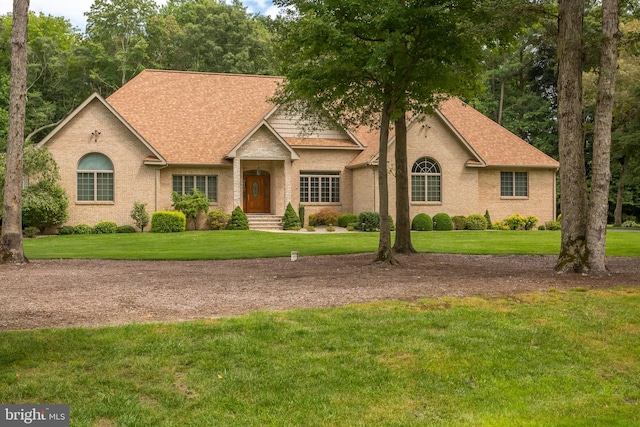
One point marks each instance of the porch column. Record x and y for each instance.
(287, 182)
(237, 183)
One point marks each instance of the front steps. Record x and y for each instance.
(265, 222)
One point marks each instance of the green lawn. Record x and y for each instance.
(256, 244)
(546, 359)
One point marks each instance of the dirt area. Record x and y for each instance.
(58, 293)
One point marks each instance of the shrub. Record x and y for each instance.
(552, 225)
(350, 227)
(105, 227)
(139, 215)
(218, 220)
(345, 219)
(301, 215)
(65, 230)
(476, 222)
(82, 229)
(629, 224)
(123, 229)
(442, 222)
(422, 222)
(191, 204)
(488, 218)
(44, 205)
(542, 227)
(369, 221)
(515, 222)
(459, 222)
(499, 225)
(311, 228)
(239, 220)
(325, 216)
(30, 232)
(530, 222)
(168, 222)
(392, 226)
(290, 219)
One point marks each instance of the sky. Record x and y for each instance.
(74, 10)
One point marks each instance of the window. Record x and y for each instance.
(95, 179)
(514, 184)
(319, 187)
(206, 184)
(426, 181)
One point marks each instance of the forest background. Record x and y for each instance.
(124, 37)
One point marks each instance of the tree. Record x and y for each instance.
(11, 249)
(139, 215)
(370, 63)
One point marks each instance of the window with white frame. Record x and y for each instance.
(206, 184)
(95, 179)
(426, 181)
(514, 184)
(319, 187)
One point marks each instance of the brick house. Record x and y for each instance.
(170, 131)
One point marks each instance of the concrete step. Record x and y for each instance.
(264, 222)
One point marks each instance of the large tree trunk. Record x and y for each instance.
(403, 218)
(385, 255)
(573, 191)
(601, 176)
(11, 250)
(617, 213)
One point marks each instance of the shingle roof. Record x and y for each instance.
(194, 117)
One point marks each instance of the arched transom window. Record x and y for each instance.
(95, 178)
(426, 181)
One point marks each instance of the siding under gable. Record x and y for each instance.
(295, 127)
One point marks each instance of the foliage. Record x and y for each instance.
(190, 204)
(239, 220)
(369, 221)
(630, 224)
(139, 215)
(530, 222)
(122, 229)
(422, 222)
(218, 220)
(66, 230)
(30, 232)
(325, 216)
(515, 222)
(442, 222)
(311, 228)
(301, 215)
(552, 225)
(346, 219)
(105, 227)
(487, 217)
(44, 205)
(82, 229)
(476, 222)
(290, 219)
(459, 222)
(168, 222)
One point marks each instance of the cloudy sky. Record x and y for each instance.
(74, 10)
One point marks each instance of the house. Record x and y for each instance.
(170, 131)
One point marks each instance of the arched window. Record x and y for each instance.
(426, 181)
(95, 178)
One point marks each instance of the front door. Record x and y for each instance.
(256, 192)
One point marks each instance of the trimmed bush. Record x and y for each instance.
(168, 222)
(82, 229)
(239, 220)
(105, 227)
(65, 230)
(30, 232)
(325, 216)
(125, 229)
(488, 218)
(218, 220)
(290, 219)
(476, 222)
(552, 225)
(422, 222)
(345, 219)
(459, 222)
(369, 221)
(442, 222)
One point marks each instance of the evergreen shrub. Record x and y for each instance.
(369, 221)
(442, 222)
(30, 232)
(459, 222)
(239, 220)
(476, 222)
(125, 229)
(218, 220)
(488, 218)
(168, 222)
(82, 229)
(290, 220)
(422, 222)
(345, 219)
(65, 230)
(105, 227)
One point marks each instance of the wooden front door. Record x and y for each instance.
(257, 192)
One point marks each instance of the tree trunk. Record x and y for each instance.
(11, 249)
(385, 255)
(573, 190)
(601, 176)
(617, 213)
(403, 221)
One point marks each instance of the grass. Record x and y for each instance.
(256, 244)
(556, 358)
